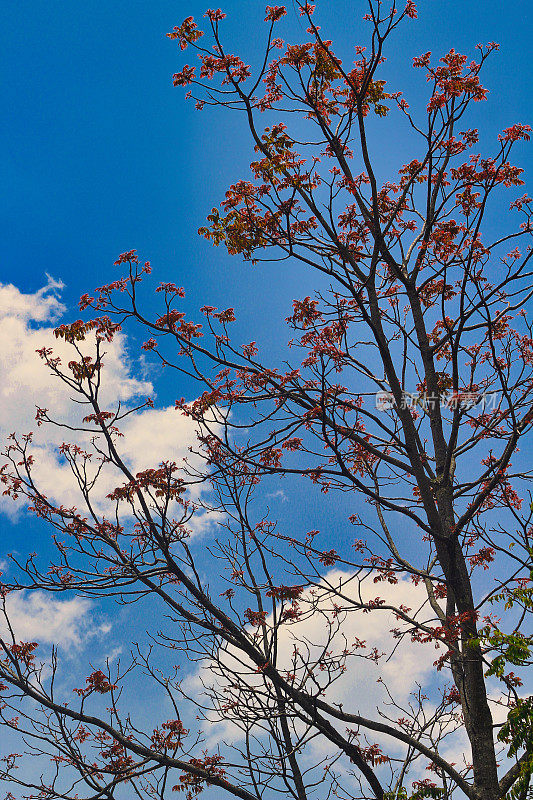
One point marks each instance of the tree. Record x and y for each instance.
(417, 302)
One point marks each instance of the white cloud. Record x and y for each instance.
(25, 382)
(155, 435)
(361, 690)
(366, 688)
(26, 324)
(39, 617)
(42, 306)
(279, 494)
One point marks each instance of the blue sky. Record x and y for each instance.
(101, 154)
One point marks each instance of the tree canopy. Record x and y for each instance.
(406, 392)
